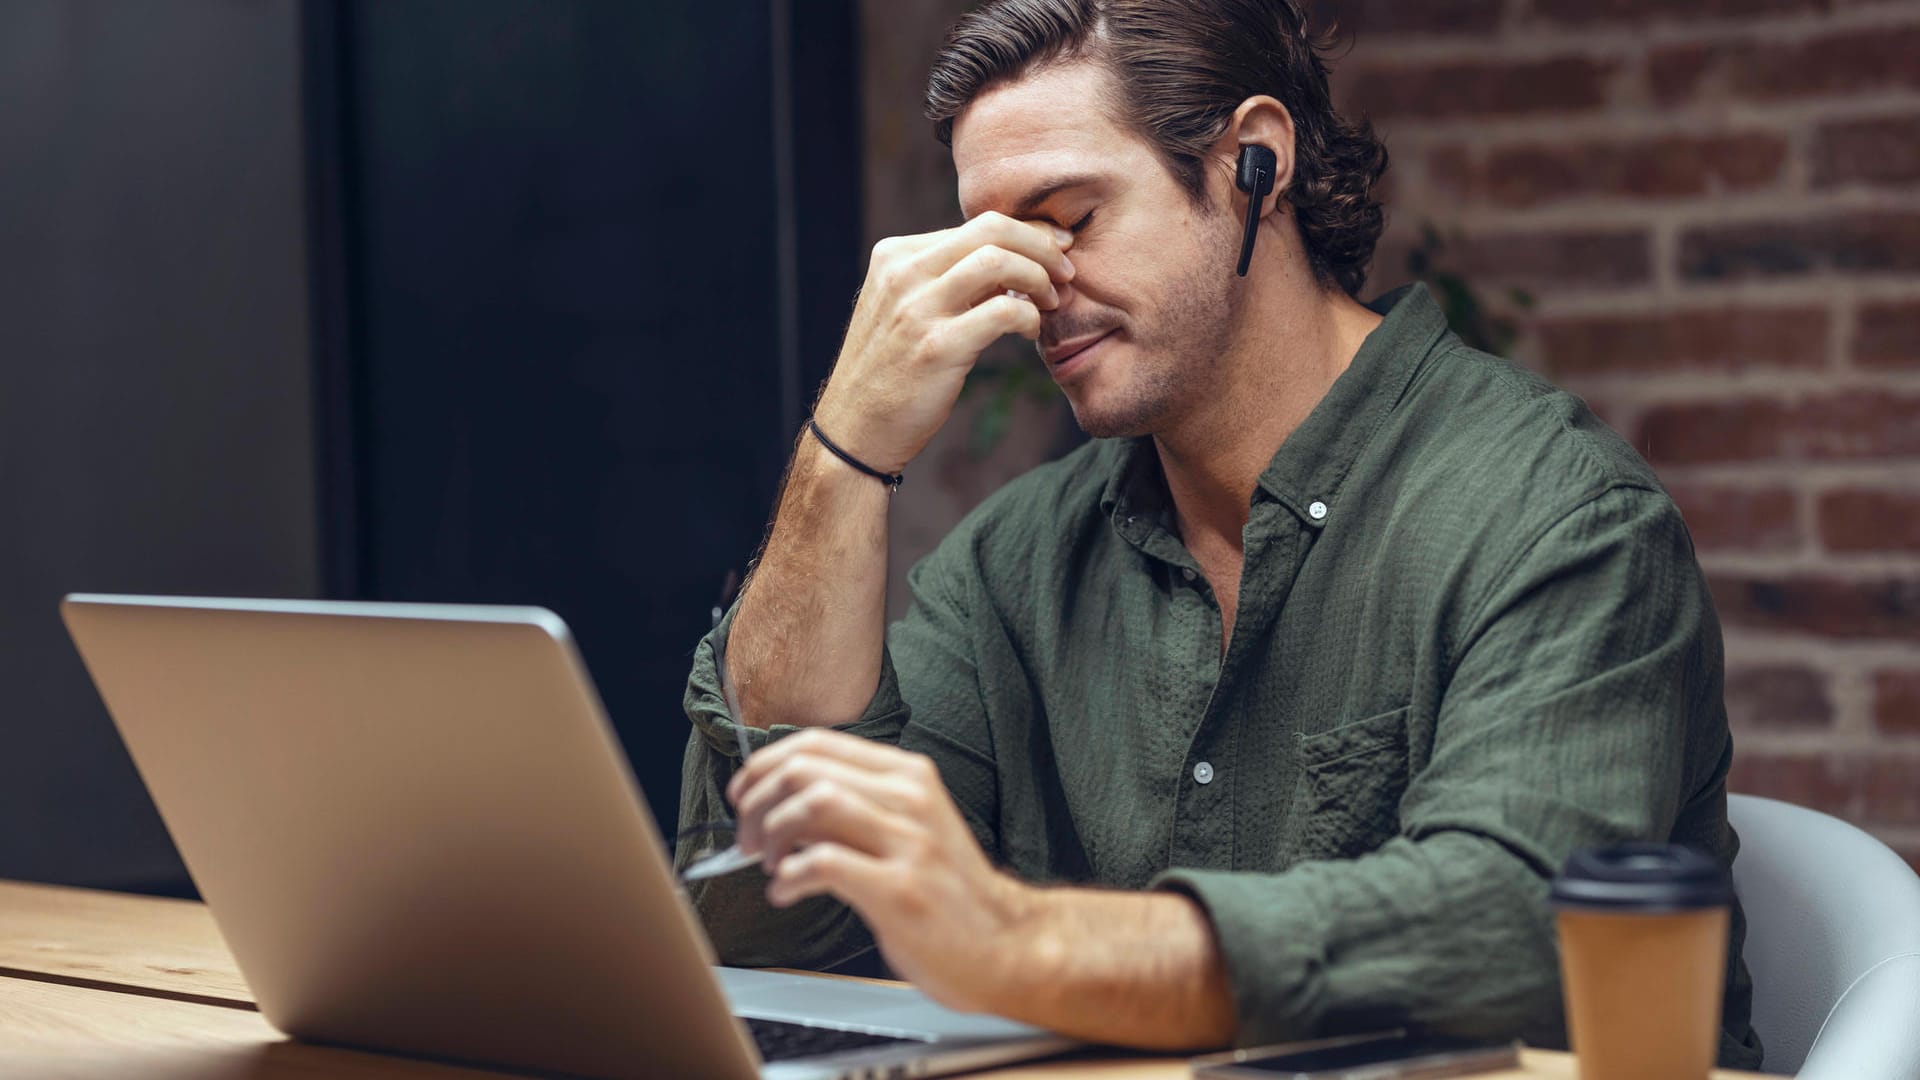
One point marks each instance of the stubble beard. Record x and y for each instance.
(1174, 364)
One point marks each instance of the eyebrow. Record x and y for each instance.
(1048, 190)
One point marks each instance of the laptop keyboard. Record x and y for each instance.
(781, 1041)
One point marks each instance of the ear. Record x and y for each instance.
(1260, 119)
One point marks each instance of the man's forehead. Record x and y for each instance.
(1010, 184)
(1022, 135)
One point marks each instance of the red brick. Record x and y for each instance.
(1890, 792)
(1873, 789)
(1738, 519)
(1870, 520)
(1674, 72)
(1548, 260)
(1452, 169)
(1720, 339)
(1819, 781)
(1851, 62)
(1480, 89)
(1851, 243)
(1888, 336)
(1896, 701)
(1854, 425)
(1879, 151)
(1882, 607)
(1398, 17)
(1777, 697)
(1638, 12)
(1666, 166)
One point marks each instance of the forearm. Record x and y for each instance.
(807, 636)
(1129, 968)
(1449, 932)
(805, 644)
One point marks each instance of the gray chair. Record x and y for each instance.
(1833, 941)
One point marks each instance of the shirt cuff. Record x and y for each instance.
(885, 715)
(1271, 943)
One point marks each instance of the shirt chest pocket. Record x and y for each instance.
(1347, 802)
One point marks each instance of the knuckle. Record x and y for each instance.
(904, 896)
(822, 795)
(823, 860)
(917, 800)
(808, 745)
(795, 761)
(789, 777)
(933, 345)
(992, 221)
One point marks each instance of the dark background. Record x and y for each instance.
(505, 301)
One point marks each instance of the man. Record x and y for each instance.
(1269, 713)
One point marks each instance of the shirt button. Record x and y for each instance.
(1187, 573)
(1318, 511)
(1203, 773)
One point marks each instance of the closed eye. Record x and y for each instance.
(1081, 224)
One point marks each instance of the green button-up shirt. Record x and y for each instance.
(1472, 637)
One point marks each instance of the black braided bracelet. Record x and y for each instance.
(892, 480)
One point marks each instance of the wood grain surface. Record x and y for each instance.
(52, 1031)
(86, 936)
(96, 984)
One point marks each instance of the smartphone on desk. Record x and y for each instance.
(1391, 1055)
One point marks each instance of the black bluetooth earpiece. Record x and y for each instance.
(1257, 166)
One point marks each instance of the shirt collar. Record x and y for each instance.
(1306, 472)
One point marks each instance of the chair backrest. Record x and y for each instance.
(1833, 942)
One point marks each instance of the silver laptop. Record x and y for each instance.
(417, 833)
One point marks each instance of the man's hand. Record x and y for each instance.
(930, 305)
(873, 825)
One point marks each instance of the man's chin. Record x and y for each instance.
(1104, 420)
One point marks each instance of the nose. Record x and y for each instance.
(1065, 291)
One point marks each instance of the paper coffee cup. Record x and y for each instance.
(1643, 954)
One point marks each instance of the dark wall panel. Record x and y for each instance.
(566, 309)
(154, 408)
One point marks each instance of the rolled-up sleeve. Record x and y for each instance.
(1585, 675)
(928, 658)
(746, 930)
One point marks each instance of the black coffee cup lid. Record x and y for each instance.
(1641, 877)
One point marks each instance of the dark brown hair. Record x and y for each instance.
(1184, 66)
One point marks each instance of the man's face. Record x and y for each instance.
(1140, 331)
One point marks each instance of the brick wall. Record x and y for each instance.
(1716, 204)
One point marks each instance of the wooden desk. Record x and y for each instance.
(87, 937)
(96, 984)
(54, 1031)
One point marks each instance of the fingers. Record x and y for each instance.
(826, 811)
(987, 322)
(990, 270)
(1044, 244)
(800, 774)
(831, 869)
(838, 745)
